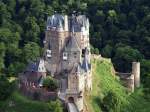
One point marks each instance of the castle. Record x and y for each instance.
(67, 58)
(67, 55)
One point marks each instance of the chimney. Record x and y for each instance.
(136, 73)
(66, 23)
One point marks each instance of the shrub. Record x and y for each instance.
(112, 102)
(6, 88)
(55, 106)
(50, 83)
(96, 51)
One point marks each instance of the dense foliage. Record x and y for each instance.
(108, 95)
(19, 103)
(50, 83)
(119, 29)
(6, 88)
(111, 102)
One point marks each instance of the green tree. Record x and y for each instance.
(145, 76)
(31, 52)
(112, 102)
(50, 83)
(96, 51)
(5, 89)
(2, 54)
(32, 30)
(107, 51)
(55, 106)
(4, 14)
(124, 56)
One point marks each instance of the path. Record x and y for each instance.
(72, 107)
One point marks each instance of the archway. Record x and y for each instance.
(71, 100)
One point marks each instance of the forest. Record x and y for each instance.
(119, 29)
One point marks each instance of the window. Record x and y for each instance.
(75, 54)
(49, 53)
(83, 52)
(65, 56)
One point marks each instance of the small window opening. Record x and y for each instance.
(83, 52)
(75, 54)
(65, 56)
(49, 53)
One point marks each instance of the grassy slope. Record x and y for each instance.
(23, 104)
(104, 81)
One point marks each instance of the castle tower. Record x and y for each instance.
(67, 53)
(136, 73)
(66, 27)
(56, 37)
(59, 31)
(76, 85)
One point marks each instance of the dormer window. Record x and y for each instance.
(49, 53)
(65, 56)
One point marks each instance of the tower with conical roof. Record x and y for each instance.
(66, 39)
(67, 55)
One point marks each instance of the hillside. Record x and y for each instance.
(104, 83)
(119, 29)
(19, 103)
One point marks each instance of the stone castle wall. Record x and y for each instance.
(136, 73)
(131, 80)
(75, 31)
(37, 93)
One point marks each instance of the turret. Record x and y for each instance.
(66, 23)
(136, 73)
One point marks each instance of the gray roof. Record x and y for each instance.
(79, 21)
(40, 81)
(55, 20)
(85, 65)
(80, 69)
(76, 21)
(72, 44)
(34, 66)
(77, 68)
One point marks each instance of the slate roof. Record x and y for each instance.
(55, 20)
(40, 81)
(34, 66)
(35, 72)
(81, 68)
(72, 44)
(79, 21)
(85, 65)
(76, 21)
(77, 68)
